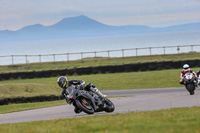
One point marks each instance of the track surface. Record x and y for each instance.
(137, 100)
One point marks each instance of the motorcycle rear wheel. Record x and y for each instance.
(110, 107)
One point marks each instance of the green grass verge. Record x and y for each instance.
(97, 62)
(115, 81)
(27, 106)
(176, 120)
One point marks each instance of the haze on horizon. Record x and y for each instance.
(15, 14)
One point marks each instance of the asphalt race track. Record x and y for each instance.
(131, 101)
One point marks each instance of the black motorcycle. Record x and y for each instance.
(88, 101)
(190, 83)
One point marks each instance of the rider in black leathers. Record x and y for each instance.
(64, 84)
(198, 73)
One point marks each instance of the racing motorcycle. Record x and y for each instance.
(88, 101)
(190, 83)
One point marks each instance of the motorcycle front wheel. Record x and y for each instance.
(190, 88)
(85, 105)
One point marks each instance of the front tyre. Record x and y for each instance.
(84, 105)
(190, 88)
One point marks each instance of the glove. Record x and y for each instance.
(68, 100)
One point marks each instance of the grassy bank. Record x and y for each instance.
(98, 62)
(177, 120)
(115, 81)
(27, 106)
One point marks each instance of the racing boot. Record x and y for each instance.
(94, 89)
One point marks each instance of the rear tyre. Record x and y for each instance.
(110, 107)
(85, 105)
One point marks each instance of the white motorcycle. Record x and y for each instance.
(190, 83)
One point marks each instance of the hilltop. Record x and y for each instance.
(83, 26)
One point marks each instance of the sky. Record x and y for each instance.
(16, 14)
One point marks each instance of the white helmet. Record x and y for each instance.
(186, 67)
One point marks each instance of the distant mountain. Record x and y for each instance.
(83, 26)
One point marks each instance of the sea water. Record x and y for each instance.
(71, 49)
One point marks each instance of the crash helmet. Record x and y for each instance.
(186, 68)
(62, 81)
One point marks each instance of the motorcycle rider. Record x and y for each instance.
(186, 69)
(64, 84)
(198, 74)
